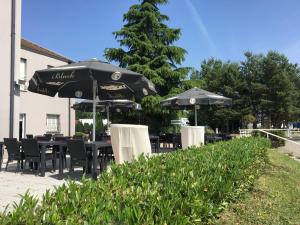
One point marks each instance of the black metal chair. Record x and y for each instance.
(61, 138)
(48, 136)
(79, 137)
(29, 136)
(13, 151)
(41, 138)
(55, 149)
(32, 153)
(106, 155)
(177, 141)
(78, 155)
(155, 143)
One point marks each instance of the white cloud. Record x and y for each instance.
(201, 26)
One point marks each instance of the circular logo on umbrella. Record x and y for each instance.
(116, 75)
(192, 101)
(145, 91)
(78, 94)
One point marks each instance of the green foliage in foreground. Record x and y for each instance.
(275, 198)
(184, 187)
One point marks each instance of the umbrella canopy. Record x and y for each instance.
(91, 80)
(195, 97)
(76, 81)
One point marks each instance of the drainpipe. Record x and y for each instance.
(12, 68)
(69, 112)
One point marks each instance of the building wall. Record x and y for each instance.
(5, 63)
(36, 106)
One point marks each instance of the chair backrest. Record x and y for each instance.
(29, 136)
(30, 147)
(59, 138)
(12, 146)
(79, 137)
(41, 138)
(49, 136)
(169, 138)
(76, 149)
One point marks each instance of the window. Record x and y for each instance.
(53, 123)
(23, 69)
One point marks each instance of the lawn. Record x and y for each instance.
(275, 198)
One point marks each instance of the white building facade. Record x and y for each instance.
(23, 112)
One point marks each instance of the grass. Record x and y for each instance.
(275, 198)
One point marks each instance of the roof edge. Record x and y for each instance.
(30, 46)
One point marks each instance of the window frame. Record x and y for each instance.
(58, 125)
(21, 77)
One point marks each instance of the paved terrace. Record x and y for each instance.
(13, 184)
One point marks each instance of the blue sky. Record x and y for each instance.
(224, 29)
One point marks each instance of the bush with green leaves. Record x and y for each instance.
(189, 186)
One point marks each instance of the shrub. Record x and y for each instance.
(276, 142)
(184, 187)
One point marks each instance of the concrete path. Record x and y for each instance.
(291, 149)
(13, 184)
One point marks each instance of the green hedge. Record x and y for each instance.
(184, 187)
(275, 142)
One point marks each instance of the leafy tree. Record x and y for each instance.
(83, 115)
(193, 80)
(272, 91)
(223, 78)
(79, 127)
(147, 47)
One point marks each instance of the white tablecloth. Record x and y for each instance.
(192, 135)
(129, 141)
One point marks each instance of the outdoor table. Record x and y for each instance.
(94, 145)
(155, 139)
(129, 141)
(192, 136)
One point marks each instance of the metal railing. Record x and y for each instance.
(248, 132)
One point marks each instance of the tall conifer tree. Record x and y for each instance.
(147, 47)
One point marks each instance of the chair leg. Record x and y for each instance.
(7, 164)
(38, 168)
(70, 168)
(18, 165)
(54, 162)
(22, 165)
(1, 158)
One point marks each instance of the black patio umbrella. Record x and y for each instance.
(91, 80)
(105, 105)
(193, 98)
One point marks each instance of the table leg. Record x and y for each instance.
(1, 156)
(94, 169)
(43, 160)
(61, 162)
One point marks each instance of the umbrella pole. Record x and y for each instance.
(94, 109)
(195, 115)
(107, 113)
